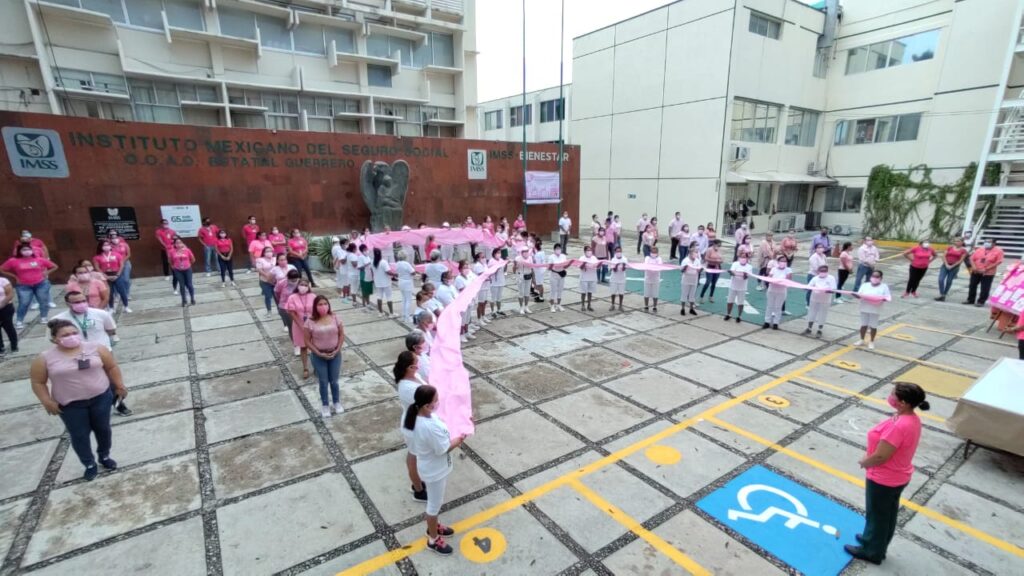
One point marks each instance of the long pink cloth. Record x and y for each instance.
(443, 236)
(447, 372)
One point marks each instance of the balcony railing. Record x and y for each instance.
(449, 6)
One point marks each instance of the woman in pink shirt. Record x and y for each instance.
(225, 250)
(300, 307)
(845, 267)
(889, 465)
(324, 334)
(920, 257)
(519, 224)
(955, 255)
(264, 266)
(84, 379)
(111, 265)
(121, 247)
(298, 255)
(257, 246)
(278, 241)
(182, 260)
(31, 276)
(165, 235)
(95, 291)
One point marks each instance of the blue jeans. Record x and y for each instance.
(41, 292)
(268, 293)
(127, 274)
(83, 417)
(946, 277)
(184, 280)
(120, 288)
(862, 273)
(327, 372)
(602, 273)
(210, 255)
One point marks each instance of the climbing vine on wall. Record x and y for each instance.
(894, 199)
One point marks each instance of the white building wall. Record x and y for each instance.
(536, 131)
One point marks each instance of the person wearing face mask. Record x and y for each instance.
(775, 294)
(525, 275)
(405, 272)
(225, 249)
(740, 235)
(121, 247)
(652, 280)
(182, 260)
(871, 309)
(95, 291)
(324, 335)
(739, 273)
(278, 241)
(265, 266)
(339, 257)
(588, 279)
(648, 239)
(539, 257)
(600, 251)
(920, 257)
(31, 280)
(366, 273)
(683, 237)
(352, 262)
(618, 278)
(845, 268)
(713, 267)
(208, 238)
(984, 262)
(888, 465)
(249, 233)
(83, 381)
(690, 267)
(955, 255)
(484, 295)
(557, 263)
(7, 315)
(462, 281)
(258, 245)
(814, 263)
(564, 229)
(867, 258)
(110, 264)
(765, 256)
(94, 324)
(299, 305)
(165, 235)
(497, 283)
(823, 285)
(298, 255)
(39, 249)
(382, 283)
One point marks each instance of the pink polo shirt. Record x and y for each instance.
(28, 271)
(166, 237)
(297, 245)
(903, 432)
(249, 232)
(181, 259)
(67, 382)
(920, 256)
(208, 235)
(279, 242)
(108, 262)
(38, 248)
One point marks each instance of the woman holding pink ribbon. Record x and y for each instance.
(588, 279)
(652, 280)
(524, 273)
(497, 282)
(691, 267)
(871, 296)
(557, 262)
(775, 297)
(618, 280)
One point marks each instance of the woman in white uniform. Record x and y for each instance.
(588, 279)
(382, 283)
(497, 284)
(821, 299)
(871, 309)
(525, 275)
(652, 279)
(618, 278)
(405, 272)
(539, 257)
(691, 267)
(557, 264)
(484, 295)
(775, 295)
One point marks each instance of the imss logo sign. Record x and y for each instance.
(35, 152)
(477, 164)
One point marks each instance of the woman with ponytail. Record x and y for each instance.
(889, 465)
(407, 378)
(428, 440)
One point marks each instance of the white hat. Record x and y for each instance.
(335, 239)
(406, 228)
(445, 225)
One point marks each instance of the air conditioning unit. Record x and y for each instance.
(740, 152)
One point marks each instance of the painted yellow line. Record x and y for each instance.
(926, 363)
(924, 510)
(891, 256)
(951, 333)
(864, 397)
(389, 558)
(687, 563)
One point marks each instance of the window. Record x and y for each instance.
(765, 25)
(493, 120)
(793, 198)
(155, 102)
(516, 117)
(274, 32)
(552, 110)
(905, 50)
(96, 109)
(756, 195)
(442, 47)
(440, 131)
(237, 23)
(378, 75)
(146, 13)
(310, 39)
(436, 113)
(843, 199)
(386, 127)
(801, 127)
(112, 8)
(185, 14)
(754, 121)
(91, 81)
(343, 40)
(384, 46)
(874, 130)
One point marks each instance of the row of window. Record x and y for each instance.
(550, 111)
(895, 52)
(145, 13)
(438, 51)
(754, 121)
(793, 197)
(873, 130)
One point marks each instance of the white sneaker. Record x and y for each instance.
(168, 278)
(463, 339)
(126, 310)
(34, 306)
(285, 329)
(527, 309)
(871, 345)
(858, 343)
(53, 304)
(325, 411)
(19, 325)
(786, 313)
(208, 274)
(233, 285)
(470, 336)
(560, 308)
(552, 307)
(269, 314)
(175, 291)
(222, 285)
(522, 311)
(338, 408)
(298, 351)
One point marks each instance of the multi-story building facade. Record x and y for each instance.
(401, 67)
(701, 106)
(544, 118)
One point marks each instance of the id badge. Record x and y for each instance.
(83, 364)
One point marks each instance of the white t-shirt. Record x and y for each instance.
(445, 294)
(868, 289)
(618, 275)
(589, 274)
(521, 269)
(539, 258)
(381, 279)
(780, 274)
(429, 443)
(652, 276)
(434, 305)
(498, 278)
(816, 261)
(478, 269)
(424, 367)
(740, 273)
(557, 259)
(565, 225)
(407, 395)
(4, 282)
(366, 263)
(93, 325)
(353, 261)
(338, 254)
(693, 267)
(461, 282)
(433, 272)
(819, 296)
(404, 271)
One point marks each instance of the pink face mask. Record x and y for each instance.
(303, 289)
(80, 307)
(323, 310)
(70, 341)
(893, 401)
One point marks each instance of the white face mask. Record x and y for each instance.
(987, 245)
(875, 281)
(925, 244)
(303, 289)
(822, 274)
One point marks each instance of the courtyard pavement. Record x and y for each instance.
(598, 433)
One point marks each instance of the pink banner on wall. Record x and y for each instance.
(542, 187)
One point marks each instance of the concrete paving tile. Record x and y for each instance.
(367, 430)
(496, 356)
(158, 315)
(267, 458)
(597, 331)
(349, 316)
(688, 335)
(750, 355)
(514, 325)
(187, 556)
(32, 346)
(488, 400)
(853, 424)
(388, 485)
(213, 322)
(154, 370)
(783, 340)
(384, 353)
(28, 426)
(942, 407)
(212, 360)
(714, 323)
(961, 361)
(15, 368)
(537, 381)
(365, 333)
(805, 404)
(140, 441)
(529, 546)
(283, 537)
(242, 385)
(16, 393)
(701, 463)
(646, 348)
(848, 379)
(585, 523)
(595, 413)
(978, 513)
(906, 558)
(865, 362)
(80, 514)
(157, 400)
(208, 305)
(543, 313)
(987, 350)
(710, 547)
(152, 329)
(235, 419)
(708, 370)
(992, 473)
(136, 349)
(223, 336)
(597, 363)
(520, 441)
(638, 321)
(896, 346)
(766, 425)
(23, 467)
(353, 558)
(10, 520)
(921, 336)
(355, 391)
(656, 389)
(550, 343)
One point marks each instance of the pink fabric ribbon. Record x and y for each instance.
(443, 236)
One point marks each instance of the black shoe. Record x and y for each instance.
(727, 318)
(124, 410)
(90, 473)
(419, 495)
(737, 319)
(775, 326)
(818, 334)
(108, 463)
(967, 302)
(940, 298)
(440, 546)
(859, 537)
(443, 530)
(858, 553)
(765, 325)
(979, 304)
(692, 311)
(14, 349)
(806, 331)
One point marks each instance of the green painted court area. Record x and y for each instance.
(671, 287)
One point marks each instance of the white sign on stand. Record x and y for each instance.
(184, 219)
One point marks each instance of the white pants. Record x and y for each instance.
(484, 295)
(651, 289)
(341, 278)
(736, 297)
(618, 287)
(524, 287)
(446, 252)
(689, 292)
(588, 286)
(407, 304)
(773, 306)
(868, 319)
(817, 312)
(435, 495)
(383, 292)
(496, 293)
(557, 286)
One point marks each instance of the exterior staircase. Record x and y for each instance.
(1006, 225)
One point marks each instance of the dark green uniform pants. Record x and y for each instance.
(883, 505)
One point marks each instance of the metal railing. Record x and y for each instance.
(1008, 137)
(449, 6)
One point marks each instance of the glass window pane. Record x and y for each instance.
(143, 113)
(421, 56)
(917, 48)
(185, 14)
(119, 112)
(351, 126)
(842, 132)
(864, 131)
(236, 23)
(319, 124)
(166, 94)
(253, 99)
(248, 120)
(377, 45)
(145, 13)
(378, 75)
(290, 103)
(852, 199)
(879, 55)
(833, 199)
(309, 38)
(443, 48)
(110, 83)
(207, 93)
(112, 8)
(166, 115)
(409, 129)
(908, 126)
(343, 40)
(885, 129)
(187, 92)
(273, 33)
(72, 3)
(272, 102)
(856, 60)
